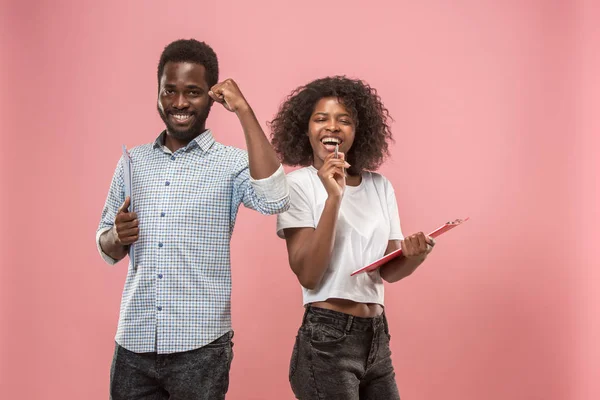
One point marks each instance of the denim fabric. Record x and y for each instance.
(339, 356)
(201, 374)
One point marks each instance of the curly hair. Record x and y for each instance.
(289, 128)
(192, 51)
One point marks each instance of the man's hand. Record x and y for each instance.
(229, 94)
(126, 230)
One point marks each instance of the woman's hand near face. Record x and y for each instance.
(333, 176)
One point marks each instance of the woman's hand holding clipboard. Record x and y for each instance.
(394, 254)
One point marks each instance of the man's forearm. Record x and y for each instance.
(261, 156)
(109, 245)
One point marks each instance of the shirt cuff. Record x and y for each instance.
(274, 188)
(109, 260)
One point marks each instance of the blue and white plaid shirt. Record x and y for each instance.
(178, 296)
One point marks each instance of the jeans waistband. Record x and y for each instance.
(346, 321)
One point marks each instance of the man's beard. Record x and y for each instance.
(187, 135)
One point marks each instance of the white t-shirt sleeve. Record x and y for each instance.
(300, 213)
(395, 230)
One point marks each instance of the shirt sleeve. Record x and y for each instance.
(272, 189)
(116, 197)
(395, 229)
(301, 211)
(267, 196)
(108, 259)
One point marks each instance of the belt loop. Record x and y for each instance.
(304, 317)
(349, 323)
(385, 324)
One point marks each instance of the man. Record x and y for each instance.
(174, 333)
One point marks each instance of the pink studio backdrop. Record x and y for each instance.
(495, 107)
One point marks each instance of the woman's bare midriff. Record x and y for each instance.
(365, 310)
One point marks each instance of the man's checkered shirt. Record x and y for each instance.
(178, 296)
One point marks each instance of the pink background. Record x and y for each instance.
(496, 109)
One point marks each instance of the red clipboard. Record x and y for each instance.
(397, 253)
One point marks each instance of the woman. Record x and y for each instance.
(341, 217)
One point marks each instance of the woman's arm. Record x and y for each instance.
(415, 250)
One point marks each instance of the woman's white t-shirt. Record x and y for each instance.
(368, 219)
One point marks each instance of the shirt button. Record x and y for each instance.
(159, 276)
(159, 308)
(167, 183)
(172, 157)
(160, 245)
(162, 214)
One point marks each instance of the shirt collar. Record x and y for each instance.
(204, 141)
